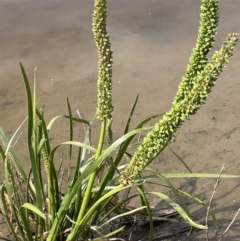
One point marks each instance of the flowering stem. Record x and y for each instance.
(93, 175)
(104, 106)
(164, 131)
(206, 37)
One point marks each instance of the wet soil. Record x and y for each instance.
(152, 41)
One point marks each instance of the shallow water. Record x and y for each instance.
(152, 41)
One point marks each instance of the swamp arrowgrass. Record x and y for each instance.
(36, 208)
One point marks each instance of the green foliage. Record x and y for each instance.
(35, 207)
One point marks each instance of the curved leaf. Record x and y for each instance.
(34, 209)
(66, 116)
(80, 144)
(179, 209)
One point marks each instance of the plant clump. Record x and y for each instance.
(90, 205)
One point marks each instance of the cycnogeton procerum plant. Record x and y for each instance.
(86, 208)
(193, 91)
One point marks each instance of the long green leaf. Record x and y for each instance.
(71, 128)
(110, 234)
(201, 203)
(9, 150)
(32, 145)
(115, 207)
(130, 115)
(69, 196)
(174, 191)
(66, 116)
(34, 209)
(81, 225)
(179, 158)
(144, 199)
(179, 209)
(197, 175)
(11, 189)
(5, 213)
(106, 153)
(120, 140)
(127, 213)
(80, 144)
(124, 146)
(26, 223)
(53, 189)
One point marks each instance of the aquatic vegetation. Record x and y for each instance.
(91, 202)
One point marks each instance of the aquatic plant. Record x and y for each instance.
(90, 202)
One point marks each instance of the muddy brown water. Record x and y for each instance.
(152, 41)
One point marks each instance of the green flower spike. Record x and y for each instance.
(198, 60)
(164, 131)
(104, 106)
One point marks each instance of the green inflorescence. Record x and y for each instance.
(164, 131)
(206, 36)
(200, 77)
(104, 106)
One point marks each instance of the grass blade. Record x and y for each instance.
(179, 158)
(179, 209)
(26, 223)
(149, 212)
(130, 115)
(127, 213)
(5, 212)
(66, 116)
(34, 209)
(201, 203)
(32, 145)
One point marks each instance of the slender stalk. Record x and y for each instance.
(93, 175)
(104, 107)
(82, 223)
